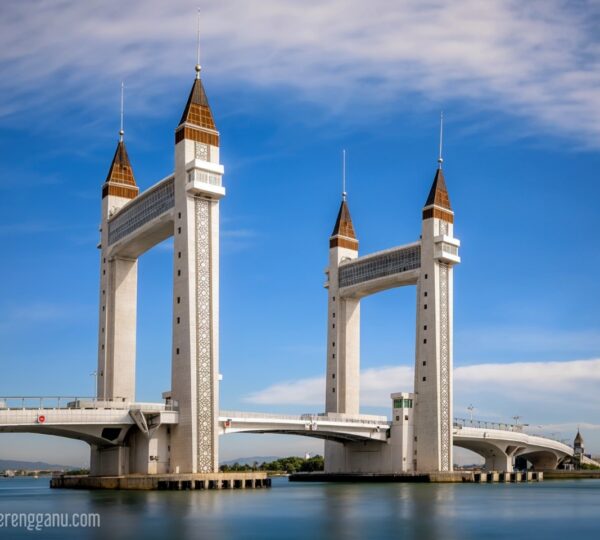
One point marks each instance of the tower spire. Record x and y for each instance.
(344, 194)
(122, 131)
(198, 67)
(440, 158)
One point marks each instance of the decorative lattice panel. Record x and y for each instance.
(445, 397)
(204, 358)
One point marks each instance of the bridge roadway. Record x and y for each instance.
(107, 423)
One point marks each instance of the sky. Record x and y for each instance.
(291, 84)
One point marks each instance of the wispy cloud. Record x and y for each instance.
(511, 340)
(538, 60)
(539, 386)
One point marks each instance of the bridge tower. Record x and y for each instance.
(195, 352)
(433, 361)
(343, 323)
(118, 290)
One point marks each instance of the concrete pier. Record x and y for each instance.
(435, 477)
(242, 480)
(480, 477)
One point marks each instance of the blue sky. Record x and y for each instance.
(290, 85)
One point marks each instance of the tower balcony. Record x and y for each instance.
(204, 178)
(446, 249)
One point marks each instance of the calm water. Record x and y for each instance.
(552, 509)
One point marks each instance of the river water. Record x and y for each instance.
(547, 510)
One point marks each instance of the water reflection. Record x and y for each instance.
(315, 511)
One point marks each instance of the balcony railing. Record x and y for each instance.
(75, 402)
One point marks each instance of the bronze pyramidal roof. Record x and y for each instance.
(197, 110)
(120, 180)
(343, 234)
(120, 169)
(438, 195)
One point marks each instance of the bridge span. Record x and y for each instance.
(106, 424)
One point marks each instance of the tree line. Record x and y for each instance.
(290, 465)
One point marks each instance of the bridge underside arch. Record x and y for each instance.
(498, 457)
(541, 459)
(315, 434)
(100, 436)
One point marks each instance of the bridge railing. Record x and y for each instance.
(74, 402)
(308, 417)
(482, 424)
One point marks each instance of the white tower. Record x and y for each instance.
(118, 290)
(343, 323)
(433, 368)
(195, 364)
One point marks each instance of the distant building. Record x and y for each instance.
(578, 448)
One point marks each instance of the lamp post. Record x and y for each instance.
(95, 375)
(470, 408)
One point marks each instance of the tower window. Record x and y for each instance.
(333, 375)
(333, 355)
(333, 344)
(425, 327)
(333, 390)
(425, 293)
(424, 363)
(425, 276)
(424, 379)
(397, 418)
(424, 341)
(179, 215)
(425, 306)
(179, 299)
(333, 315)
(333, 325)
(177, 350)
(406, 417)
(178, 230)
(178, 320)
(179, 255)
(178, 272)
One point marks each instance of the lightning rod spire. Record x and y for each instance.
(198, 68)
(440, 158)
(122, 131)
(344, 194)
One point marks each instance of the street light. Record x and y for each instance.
(95, 375)
(470, 408)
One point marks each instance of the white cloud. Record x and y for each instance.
(536, 379)
(538, 60)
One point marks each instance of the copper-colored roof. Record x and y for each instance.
(438, 195)
(343, 224)
(197, 110)
(578, 438)
(120, 169)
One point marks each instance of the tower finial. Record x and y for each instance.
(198, 68)
(440, 158)
(122, 131)
(344, 194)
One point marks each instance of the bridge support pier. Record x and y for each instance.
(499, 462)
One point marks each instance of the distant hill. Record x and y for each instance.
(13, 464)
(250, 460)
